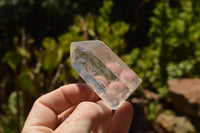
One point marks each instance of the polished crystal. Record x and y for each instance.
(100, 67)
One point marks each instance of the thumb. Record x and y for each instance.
(86, 117)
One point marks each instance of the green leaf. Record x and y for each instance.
(103, 27)
(120, 28)
(90, 24)
(13, 59)
(64, 42)
(194, 30)
(131, 58)
(12, 102)
(26, 83)
(23, 52)
(106, 9)
(49, 43)
(51, 59)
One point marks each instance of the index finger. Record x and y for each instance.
(46, 109)
(67, 96)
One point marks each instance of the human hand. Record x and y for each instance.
(75, 108)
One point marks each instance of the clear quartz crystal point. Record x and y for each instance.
(100, 67)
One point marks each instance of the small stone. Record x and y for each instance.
(100, 67)
(185, 95)
(175, 124)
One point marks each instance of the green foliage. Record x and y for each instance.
(152, 110)
(173, 31)
(145, 62)
(174, 49)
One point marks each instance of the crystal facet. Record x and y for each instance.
(100, 67)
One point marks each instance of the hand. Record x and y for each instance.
(75, 108)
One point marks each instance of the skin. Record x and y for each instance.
(75, 108)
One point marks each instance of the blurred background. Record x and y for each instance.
(158, 39)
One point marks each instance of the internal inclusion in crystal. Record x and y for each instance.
(108, 75)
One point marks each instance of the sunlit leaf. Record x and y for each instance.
(49, 43)
(12, 101)
(51, 59)
(23, 52)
